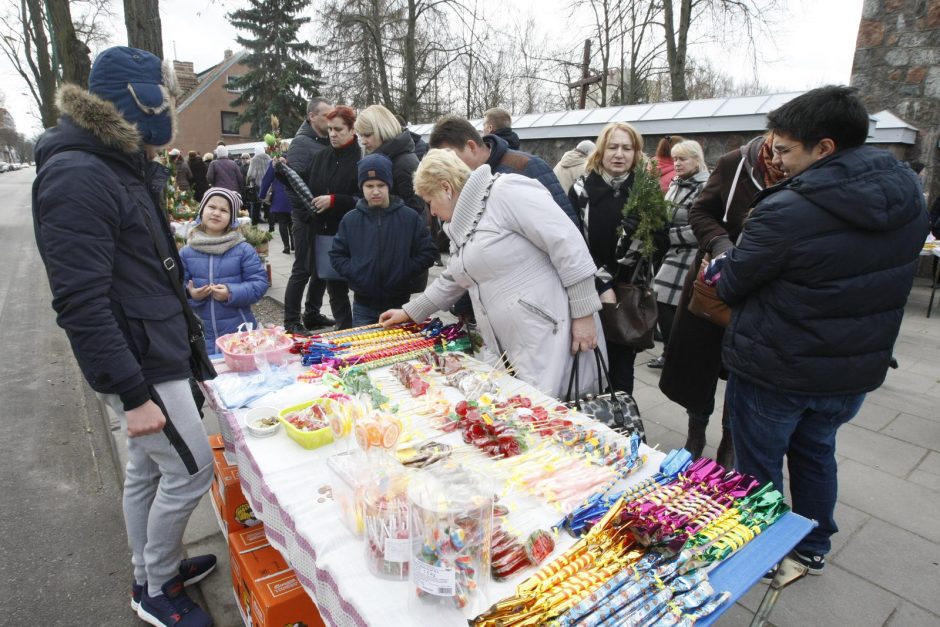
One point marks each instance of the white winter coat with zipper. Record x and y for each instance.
(515, 252)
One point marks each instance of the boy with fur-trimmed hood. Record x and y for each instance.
(96, 211)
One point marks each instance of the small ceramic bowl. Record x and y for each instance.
(262, 422)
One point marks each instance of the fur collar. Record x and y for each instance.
(99, 117)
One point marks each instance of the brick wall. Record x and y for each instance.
(200, 123)
(897, 67)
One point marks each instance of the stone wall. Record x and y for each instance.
(897, 67)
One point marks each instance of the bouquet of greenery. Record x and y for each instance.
(646, 201)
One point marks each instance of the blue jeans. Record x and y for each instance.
(362, 315)
(767, 425)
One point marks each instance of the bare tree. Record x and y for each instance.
(72, 52)
(142, 19)
(44, 51)
(741, 19)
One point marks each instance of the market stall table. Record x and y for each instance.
(289, 488)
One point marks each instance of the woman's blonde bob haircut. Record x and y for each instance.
(690, 149)
(379, 121)
(440, 165)
(596, 161)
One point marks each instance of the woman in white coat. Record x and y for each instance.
(526, 266)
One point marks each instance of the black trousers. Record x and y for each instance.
(302, 275)
(665, 315)
(621, 361)
(339, 303)
(283, 221)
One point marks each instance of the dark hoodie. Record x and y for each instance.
(819, 280)
(509, 135)
(93, 190)
(380, 251)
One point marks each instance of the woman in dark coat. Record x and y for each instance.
(334, 185)
(199, 170)
(598, 197)
(693, 354)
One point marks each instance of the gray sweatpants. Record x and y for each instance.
(167, 474)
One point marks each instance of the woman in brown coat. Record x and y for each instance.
(693, 355)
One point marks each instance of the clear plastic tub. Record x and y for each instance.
(451, 529)
(386, 522)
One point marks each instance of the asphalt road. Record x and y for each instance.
(63, 553)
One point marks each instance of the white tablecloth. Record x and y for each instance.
(289, 489)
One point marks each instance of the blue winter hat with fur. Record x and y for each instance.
(141, 86)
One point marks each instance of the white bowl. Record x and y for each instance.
(254, 418)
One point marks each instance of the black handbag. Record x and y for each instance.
(324, 266)
(618, 410)
(631, 321)
(199, 362)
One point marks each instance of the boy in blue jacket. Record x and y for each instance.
(381, 246)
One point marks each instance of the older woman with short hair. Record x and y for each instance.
(526, 267)
(691, 176)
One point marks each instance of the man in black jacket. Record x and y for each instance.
(97, 202)
(311, 138)
(817, 282)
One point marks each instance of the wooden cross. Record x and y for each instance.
(586, 78)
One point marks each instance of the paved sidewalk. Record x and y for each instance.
(884, 568)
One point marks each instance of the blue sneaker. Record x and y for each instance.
(192, 570)
(173, 608)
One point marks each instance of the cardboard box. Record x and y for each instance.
(265, 587)
(230, 504)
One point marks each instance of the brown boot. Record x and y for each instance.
(695, 441)
(725, 455)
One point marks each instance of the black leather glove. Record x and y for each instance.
(630, 224)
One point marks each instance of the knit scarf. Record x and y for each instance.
(214, 244)
(615, 181)
(765, 163)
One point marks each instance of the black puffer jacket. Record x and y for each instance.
(303, 148)
(333, 173)
(92, 193)
(380, 251)
(401, 150)
(819, 280)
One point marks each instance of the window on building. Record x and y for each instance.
(229, 84)
(230, 125)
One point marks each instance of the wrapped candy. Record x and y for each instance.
(451, 526)
(385, 514)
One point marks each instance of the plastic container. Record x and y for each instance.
(262, 422)
(386, 521)
(274, 349)
(451, 515)
(349, 472)
(309, 439)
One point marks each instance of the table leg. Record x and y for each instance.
(788, 571)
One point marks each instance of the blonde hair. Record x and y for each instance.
(690, 149)
(595, 161)
(440, 165)
(379, 121)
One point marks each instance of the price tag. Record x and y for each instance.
(434, 580)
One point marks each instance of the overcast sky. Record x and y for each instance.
(813, 43)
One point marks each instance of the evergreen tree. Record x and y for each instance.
(281, 80)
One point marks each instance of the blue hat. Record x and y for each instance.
(375, 166)
(141, 86)
(234, 202)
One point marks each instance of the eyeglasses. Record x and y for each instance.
(782, 150)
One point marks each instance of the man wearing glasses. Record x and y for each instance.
(817, 283)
